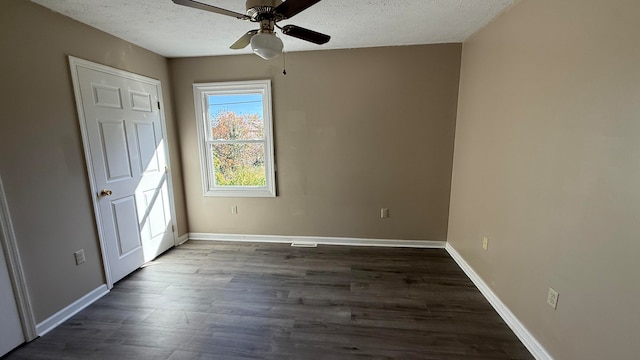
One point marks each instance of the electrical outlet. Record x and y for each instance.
(485, 243)
(384, 213)
(79, 256)
(234, 209)
(552, 298)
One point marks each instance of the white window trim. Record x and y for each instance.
(200, 92)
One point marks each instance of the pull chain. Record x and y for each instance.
(284, 64)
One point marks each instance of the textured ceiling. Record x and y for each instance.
(177, 31)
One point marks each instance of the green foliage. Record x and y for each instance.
(238, 164)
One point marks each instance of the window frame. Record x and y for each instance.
(201, 91)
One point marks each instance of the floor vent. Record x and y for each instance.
(304, 244)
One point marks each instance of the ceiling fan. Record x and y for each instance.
(267, 13)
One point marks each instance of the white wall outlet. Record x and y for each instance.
(384, 213)
(234, 209)
(485, 243)
(79, 256)
(552, 298)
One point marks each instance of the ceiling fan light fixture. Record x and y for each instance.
(266, 45)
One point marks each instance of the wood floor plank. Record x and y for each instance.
(210, 300)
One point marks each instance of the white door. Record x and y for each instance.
(10, 326)
(127, 154)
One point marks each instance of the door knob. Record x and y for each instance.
(105, 192)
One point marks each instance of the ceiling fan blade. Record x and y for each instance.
(215, 9)
(244, 40)
(305, 34)
(289, 8)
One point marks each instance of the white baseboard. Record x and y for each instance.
(63, 315)
(529, 341)
(183, 238)
(427, 244)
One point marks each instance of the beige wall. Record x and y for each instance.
(547, 165)
(355, 131)
(41, 158)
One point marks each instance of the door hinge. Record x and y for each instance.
(173, 228)
(158, 105)
(166, 169)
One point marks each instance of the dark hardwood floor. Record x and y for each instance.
(208, 300)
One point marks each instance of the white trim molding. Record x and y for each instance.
(65, 314)
(183, 238)
(202, 94)
(320, 240)
(16, 272)
(529, 341)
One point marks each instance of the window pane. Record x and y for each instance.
(239, 164)
(236, 117)
(235, 135)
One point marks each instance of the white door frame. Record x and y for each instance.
(75, 63)
(16, 271)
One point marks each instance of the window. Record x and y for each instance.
(236, 138)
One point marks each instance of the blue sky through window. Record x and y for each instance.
(241, 104)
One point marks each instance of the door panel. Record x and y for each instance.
(147, 141)
(140, 101)
(126, 225)
(157, 214)
(127, 150)
(107, 96)
(116, 154)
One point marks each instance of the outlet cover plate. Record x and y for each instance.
(79, 255)
(552, 298)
